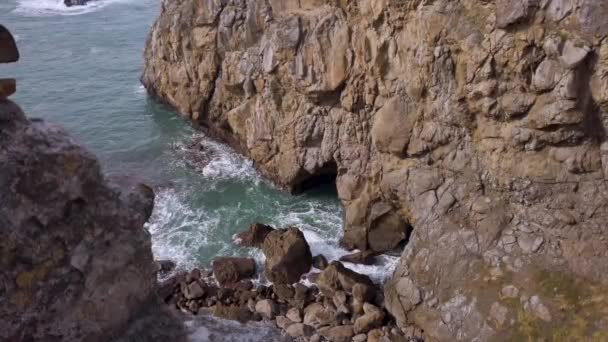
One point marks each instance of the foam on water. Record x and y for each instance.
(39, 8)
(182, 232)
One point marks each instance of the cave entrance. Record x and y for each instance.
(324, 180)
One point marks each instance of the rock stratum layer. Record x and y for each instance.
(478, 124)
(76, 263)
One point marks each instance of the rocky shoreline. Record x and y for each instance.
(309, 299)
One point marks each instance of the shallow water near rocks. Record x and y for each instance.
(80, 68)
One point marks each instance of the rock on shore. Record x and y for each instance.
(479, 124)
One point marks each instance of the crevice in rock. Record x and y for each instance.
(324, 176)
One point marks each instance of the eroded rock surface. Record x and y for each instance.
(75, 261)
(481, 124)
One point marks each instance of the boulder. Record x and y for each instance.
(238, 313)
(342, 333)
(318, 315)
(294, 315)
(336, 277)
(229, 271)
(299, 330)
(319, 261)
(287, 254)
(267, 308)
(364, 258)
(372, 319)
(194, 290)
(8, 48)
(254, 236)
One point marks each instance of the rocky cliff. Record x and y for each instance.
(475, 130)
(75, 261)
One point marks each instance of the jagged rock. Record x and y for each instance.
(287, 256)
(336, 277)
(362, 257)
(76, 259)
(464, 120)
(319, 262)
(229, 271)
(254, 236)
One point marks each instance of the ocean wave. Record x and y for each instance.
(214, 160)
(40, 8)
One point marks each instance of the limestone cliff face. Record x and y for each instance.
(75, 261)
(481, 124)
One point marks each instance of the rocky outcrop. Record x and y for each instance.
(75, 261)
(479, 124)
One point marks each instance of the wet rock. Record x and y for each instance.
(319, 262)
(299, 330)
(363, 258)
(230, 271)
(336, 277)
(287, 256)
(267, 308)
(254, 236)
(165, 266)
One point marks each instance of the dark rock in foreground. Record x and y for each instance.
(76, 262)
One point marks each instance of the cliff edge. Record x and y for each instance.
(472, 130)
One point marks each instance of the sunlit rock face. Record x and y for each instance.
(479, 124)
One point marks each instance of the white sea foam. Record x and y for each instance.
(181, 232)
(177, 230)
(214, 160)
(140, 89)
(38, 8)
